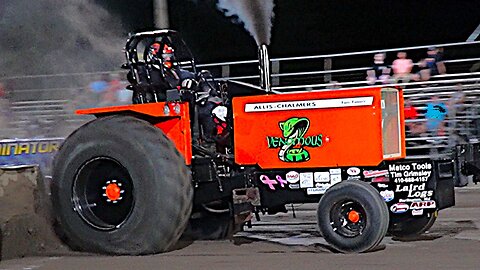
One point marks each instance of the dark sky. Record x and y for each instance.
(312, 26)
(304, 27)
(76, 36)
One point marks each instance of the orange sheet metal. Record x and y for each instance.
(175, 126)
(311, 129)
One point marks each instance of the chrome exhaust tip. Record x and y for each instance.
(264, 68)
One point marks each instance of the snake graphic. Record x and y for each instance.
(293, 131)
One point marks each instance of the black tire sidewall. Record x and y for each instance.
(151, 226)
(376, 216)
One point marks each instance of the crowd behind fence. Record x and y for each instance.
(446, 111)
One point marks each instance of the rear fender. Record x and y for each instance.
(174, 121)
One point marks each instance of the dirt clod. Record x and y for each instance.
(25, 216)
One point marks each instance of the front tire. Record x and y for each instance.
(352, 217)
(120, 187)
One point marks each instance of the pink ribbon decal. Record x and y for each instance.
(281, 181)
(268, 181)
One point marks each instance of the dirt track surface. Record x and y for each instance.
(452, 243)
(25, 221)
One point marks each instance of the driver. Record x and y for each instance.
(164, 70)
(166, 74)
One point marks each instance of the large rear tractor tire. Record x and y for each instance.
(352, 217)
(120, 187)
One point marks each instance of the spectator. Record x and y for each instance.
(435, 116)
(109, 96)
(458, 98)
(100, 86)
(435, 61)
(432, 65)
(380, 72)
(410, 110)
(456, 107)
(411, 114)
(402, 67)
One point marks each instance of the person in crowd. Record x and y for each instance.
(456, 108)
(402, 68)
(110, 95)
(458, 98)
(435, 115)
(380, 72)
(411, 114)
(99, 87)
(432, 64)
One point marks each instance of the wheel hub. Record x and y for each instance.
(113, 191)
(353, 216)
(99, 197)
(348, 219)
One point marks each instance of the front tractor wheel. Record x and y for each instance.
(352, 217)
(120, 187)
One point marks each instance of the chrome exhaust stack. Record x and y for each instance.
(264, 67)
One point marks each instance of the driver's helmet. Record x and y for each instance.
(168, 56)
(160, 54)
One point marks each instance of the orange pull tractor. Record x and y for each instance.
(200, 157)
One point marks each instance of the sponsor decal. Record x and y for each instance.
(423, 205)
(17, 152)
(415, 190)
(417, 212)
(294, 186)
(387, 195)
(408, 200)
(306, 180)
(323, 177)
(353, 171)
(320, 189)
(375, 173)
(292, 177)
(356, 177)
(272, 182)
(292, 144)
(381, 185)
(410, 173)
(308, 104)
(381, 179)
(336, 171)
(335, 179)
(399, 208)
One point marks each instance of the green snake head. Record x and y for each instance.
(294, 127)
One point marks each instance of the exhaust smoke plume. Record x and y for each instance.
(40, 37)
(57, 36)
(256, 15)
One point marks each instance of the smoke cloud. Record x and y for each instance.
(256, 16)
(58, 36)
